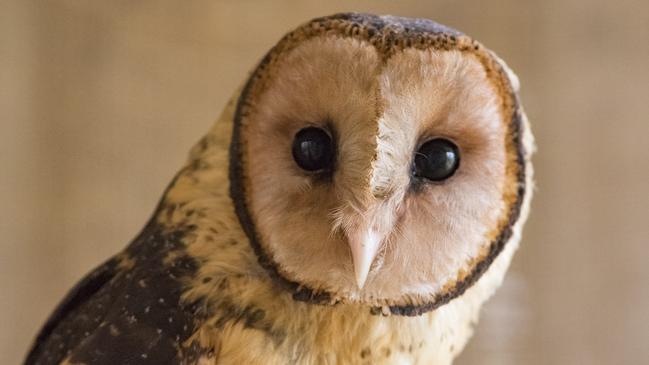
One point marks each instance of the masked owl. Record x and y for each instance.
(357, 201)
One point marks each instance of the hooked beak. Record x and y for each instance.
(364, 246)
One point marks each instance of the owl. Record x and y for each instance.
(357, 201)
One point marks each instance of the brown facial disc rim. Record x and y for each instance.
(388, 35)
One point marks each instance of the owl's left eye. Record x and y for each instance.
(313, 149)
(436, 160)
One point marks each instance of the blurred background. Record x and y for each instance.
(101, 100)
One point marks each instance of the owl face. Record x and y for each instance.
(377, 161)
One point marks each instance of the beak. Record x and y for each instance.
(364, 245)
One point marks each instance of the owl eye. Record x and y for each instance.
(313, 149)
(436, 160)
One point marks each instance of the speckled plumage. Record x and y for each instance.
(197, 286)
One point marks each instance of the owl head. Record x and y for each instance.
(379, 160)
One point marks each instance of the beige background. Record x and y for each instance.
(99, 102)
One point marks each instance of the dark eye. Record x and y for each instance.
(313, 149)
(436, 160)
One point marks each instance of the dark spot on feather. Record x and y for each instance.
(203, 144)
(250, 316)
(254, 317)
(183, 266)
(365, 353)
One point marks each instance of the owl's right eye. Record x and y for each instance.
(313, 149)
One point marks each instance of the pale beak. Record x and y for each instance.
(364, 246)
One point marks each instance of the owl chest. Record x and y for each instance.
(323, 339)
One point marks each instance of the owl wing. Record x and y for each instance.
(49, 341)
(128, 310)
